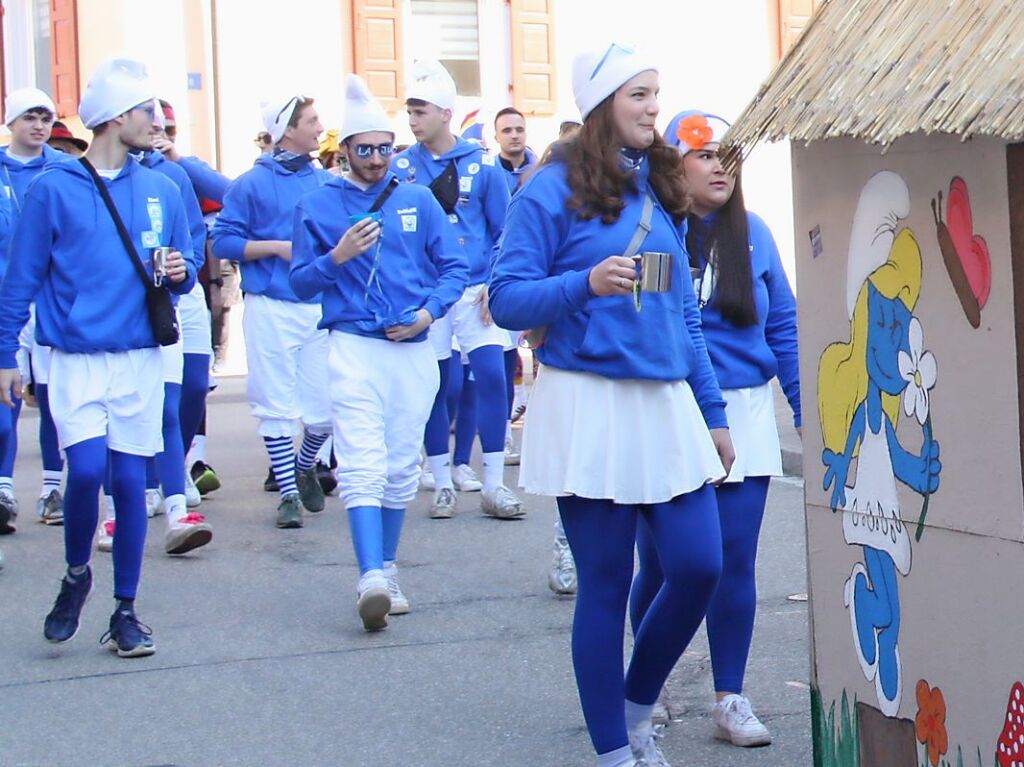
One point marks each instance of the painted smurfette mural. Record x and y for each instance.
(864, 385)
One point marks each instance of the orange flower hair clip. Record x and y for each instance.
(695, 131)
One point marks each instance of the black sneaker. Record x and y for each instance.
(326, 478)
(61, 624)
(270, 483)
(310, 490)
(205, 478)
(127, 637)
(8, 512)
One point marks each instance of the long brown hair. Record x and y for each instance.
(598, 179)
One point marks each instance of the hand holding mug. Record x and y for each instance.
(175, 269)
(613, 277)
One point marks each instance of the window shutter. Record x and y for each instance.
(377, 29)
(64, 56)
(793, 18)
(533, 56)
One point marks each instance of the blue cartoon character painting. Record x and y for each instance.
(862, 384)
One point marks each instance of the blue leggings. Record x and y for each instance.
(601, 535)
(9, 438)
(87, 467)
(489, 371)
(194, 388)
(462, 405)
(511, 363)
(375, 534)
(49, 445)
(730, 619)
(169, 466)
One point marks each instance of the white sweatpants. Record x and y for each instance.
(287, 357)
(381, 395)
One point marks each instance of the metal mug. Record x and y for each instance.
(655, 272)
(160, 256)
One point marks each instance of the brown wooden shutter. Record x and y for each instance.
(64, 56)
(377, 44)
(793, 17)
(533, 56)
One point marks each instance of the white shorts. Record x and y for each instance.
(174, 362)
(117, 395)
(195, 322)
(287, 357)
(463, 323)
(381, 396)
(754, 433)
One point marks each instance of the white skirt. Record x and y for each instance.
(630, 441)
(755, 435)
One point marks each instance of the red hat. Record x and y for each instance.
(168, 113)
(60, 131)
(209, 206)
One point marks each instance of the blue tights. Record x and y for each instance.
(601, 535)
(168, 466)
(511, 364)
(730, 619)
(9, 438)
(194, 388)
(48, 442)
(375, 535)
(488, 369)
(87, 466)
(462, 405)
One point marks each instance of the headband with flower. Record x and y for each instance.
(691, 131)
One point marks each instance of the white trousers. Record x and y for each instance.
(381, 396)
(287, 357)
(194, 317)
(463, 323)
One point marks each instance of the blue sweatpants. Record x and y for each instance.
(730, 619)
(601, 535)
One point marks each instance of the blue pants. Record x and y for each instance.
(87, 467)
(601, 535)
(492, 407)
(9, 438)
(195, 386)
(48, 443)
(730, 619)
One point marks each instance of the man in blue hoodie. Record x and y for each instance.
(514, 156)
(285, 348)
(474, 195)
(384, 259)
(106, 371)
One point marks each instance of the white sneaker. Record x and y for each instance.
(562, 576)
(735, 722)
(154, 502)
(443, 506)
(501, 503)
(192, 496)
(511, 453)
(465, 479)
(399, 602)
(644, 744)
(105, 536)
(427, 481)
(374, 600)
(189, 532)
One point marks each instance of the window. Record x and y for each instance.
(794, 16)
(449, 31)
(40, 49)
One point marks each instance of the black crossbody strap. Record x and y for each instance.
(125, 237)
(383, 196)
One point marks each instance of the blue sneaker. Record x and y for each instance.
(127, 637)
(61, 624)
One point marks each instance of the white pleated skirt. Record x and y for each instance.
(630, 441)
(754, 432)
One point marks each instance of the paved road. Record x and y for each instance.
(262, 661)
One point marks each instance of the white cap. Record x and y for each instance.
(117, 86)
(277, 112)
(362, 112)
(432, 83)
(597, 74)
(23, 100)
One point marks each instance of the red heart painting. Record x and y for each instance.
(971, 248)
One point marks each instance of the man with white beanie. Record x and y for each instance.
(383, 257)
(81, 227)
(474, 196)
(285, 349)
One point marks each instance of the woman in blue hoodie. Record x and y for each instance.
(626, 420)
(749, 321)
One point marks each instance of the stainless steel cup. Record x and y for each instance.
(655, 272)
(160, 256)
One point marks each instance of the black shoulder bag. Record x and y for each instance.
(383, 196)
(162, 316)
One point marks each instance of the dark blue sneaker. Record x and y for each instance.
(61, 624)
(127, 637)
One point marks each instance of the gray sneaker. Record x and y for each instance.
(51, 508)
(644, 744)
(501, 503)
(289, 511)
(309, 489)
(562, 577)
(8, 512)
(443, 506)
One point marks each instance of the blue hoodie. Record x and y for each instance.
(209, 184)
(754, 355)
(15, 177)
(260, 205)
(541, 278)
(483, 197)
(196, 226)
(514, 176)
(67, 256)
(420, 265)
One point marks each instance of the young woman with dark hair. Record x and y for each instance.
(749, 323)
(626, 420)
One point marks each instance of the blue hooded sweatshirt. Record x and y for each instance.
(754, 355)
(479, 215)
(196, 226)
(209, 184)
(67, 256)
(541, 278)
(514, 176)
(260, 205)
(419, 266)
(15, 177)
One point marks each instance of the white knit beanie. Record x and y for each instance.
(24, 100)
(117, 86)
(362, 112)
(597, 74)
(432, 83)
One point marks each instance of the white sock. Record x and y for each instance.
(7, 485)
(508, 430)
(636, 715)
(51, 482)
(494, 471)
(441, 468)
(175, 508)
(111, 513)
(620, 757)
(198, 450)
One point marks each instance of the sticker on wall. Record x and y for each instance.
(965, 253)
(816, 247)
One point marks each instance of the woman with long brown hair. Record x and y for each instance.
(626, 420)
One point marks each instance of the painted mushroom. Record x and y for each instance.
(1010, 748)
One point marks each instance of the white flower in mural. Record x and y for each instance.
(919, 369)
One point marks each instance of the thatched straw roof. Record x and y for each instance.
(881, 69)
